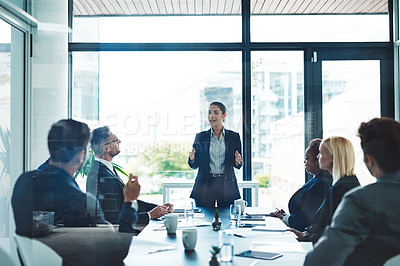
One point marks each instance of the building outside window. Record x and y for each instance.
(165, 64)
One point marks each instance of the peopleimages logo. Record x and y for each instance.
(142, 131)
(161, 124)
(134, 148)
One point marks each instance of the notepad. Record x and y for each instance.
(260, 255)
(257, 211)
(268, 229)
(196, 210)
(144, 246)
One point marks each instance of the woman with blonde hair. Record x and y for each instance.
(336, 155)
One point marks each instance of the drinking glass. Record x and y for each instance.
(189, 210)
(235, 214)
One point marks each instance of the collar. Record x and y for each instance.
(222, 134)
(389, 177)
(106, 163)
(49, 167)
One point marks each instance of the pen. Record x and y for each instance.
(238, 235)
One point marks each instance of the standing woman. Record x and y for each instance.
(215, 152)
(336, 156)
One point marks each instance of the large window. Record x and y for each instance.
(152, 29)
(319, 21)
(5, 100)
(320, 28)
(156, 102)
(11, 120)
(351, 95)
(149, 71)
(278, 118)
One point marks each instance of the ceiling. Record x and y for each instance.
(225, 7)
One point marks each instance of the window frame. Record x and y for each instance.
(312, 93)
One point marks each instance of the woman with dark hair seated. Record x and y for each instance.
(305, 202)
(337, 156)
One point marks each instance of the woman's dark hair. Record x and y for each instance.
(380, 138)
(313, 147)
(220, 106)
(66, 138)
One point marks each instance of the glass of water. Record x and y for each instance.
(189, 210)
(226, 244)
(235, 215)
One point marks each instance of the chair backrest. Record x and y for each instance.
(5, 258)
(395, 261)
(34, 253)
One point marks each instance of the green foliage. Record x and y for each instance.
(215, 250)
(88, 164)
(166, 159)
(263, 179)
(5, 159)
(119, 169)
(5, 150)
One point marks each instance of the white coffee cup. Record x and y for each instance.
(171, 222)
(242, 203)
(189, 238)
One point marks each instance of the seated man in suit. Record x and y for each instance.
(103, 181)
(365, 227)
(54, 188)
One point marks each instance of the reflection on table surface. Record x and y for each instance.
(153, 245)
(101, 245)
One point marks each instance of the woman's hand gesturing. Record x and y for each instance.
(238, 158)
(191, 154)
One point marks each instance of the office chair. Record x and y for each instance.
(5, 258)
(32, 252)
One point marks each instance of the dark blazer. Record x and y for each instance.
(202, 161)
(305, 202)
(109, 189)
(324, 215)
(365, 228)
(53, 189)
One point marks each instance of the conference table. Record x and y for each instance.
(144, 247)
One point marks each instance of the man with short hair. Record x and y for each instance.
(104, 183)
(365, 228)
(54, 189)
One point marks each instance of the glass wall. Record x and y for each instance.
(320, 28)
(150, 77)
(319, 21)
(351, 95)
(5, 108)
(278, 123)
(156, 102)
(156, 29)
(11, 121)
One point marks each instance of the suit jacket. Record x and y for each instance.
(53, 189)
(365, 227)
(202, 161)
(323, 217)
(109, 189)
(305, 202)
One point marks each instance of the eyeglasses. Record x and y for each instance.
(115, 140)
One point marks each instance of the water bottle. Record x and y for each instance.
(226, 244)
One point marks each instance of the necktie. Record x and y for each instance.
(116, 174)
